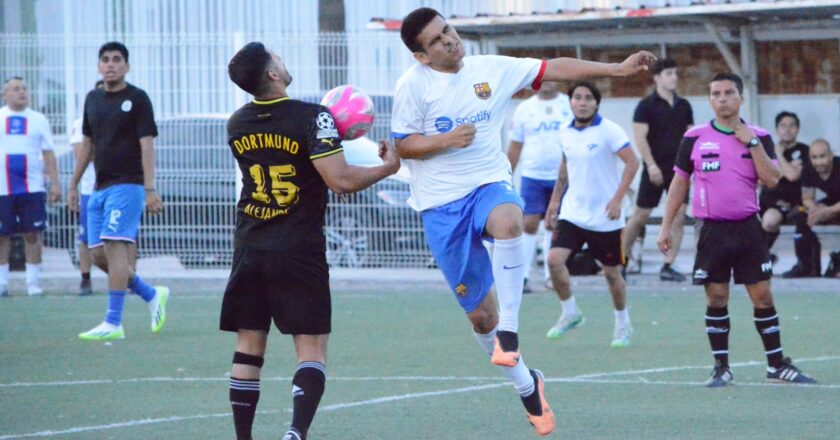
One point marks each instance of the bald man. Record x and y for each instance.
(823, 173)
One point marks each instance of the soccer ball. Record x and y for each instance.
(352, 110)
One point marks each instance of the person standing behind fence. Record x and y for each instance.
(659, 122)
(782, 202)
(728, 158)
(588, 197)
(535, 147)
(25, 139)
(86, 186)
(289, 153)
(119, 129)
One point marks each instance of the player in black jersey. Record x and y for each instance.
(289, 153)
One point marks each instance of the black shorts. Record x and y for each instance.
(650, 194)
(726, 247)
(293, 289)
(604, 246)
(771, 199)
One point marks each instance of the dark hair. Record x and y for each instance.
(247, 68)
(595, 92)
(12, 78)
(662, 64)
(413, 24)
(729, 76)
(114, 45)
(787, 114)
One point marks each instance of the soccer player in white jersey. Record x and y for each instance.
(588, 195)
(535, 147)
(447, 121)
(24, 140)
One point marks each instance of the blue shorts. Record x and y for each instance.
(82, 236)
(537, 194)
(23, 213)
(454, 233)
(114, 213)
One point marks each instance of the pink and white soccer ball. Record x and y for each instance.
(352, 110)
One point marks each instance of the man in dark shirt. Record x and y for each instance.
(289, 153)
(659, 123)
(119, 130)
(822, 173)
(782, 202)
(727, 159)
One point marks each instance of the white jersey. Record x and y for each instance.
(89, 177)
(592, 164)
(25, 135)
(536, 125)
(429, 102)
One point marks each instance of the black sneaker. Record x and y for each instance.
(788, 373)
(833, 265)
(85, 288)
(798, 271)
(667, 273)
(721, 376)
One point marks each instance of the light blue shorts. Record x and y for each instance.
(114, 213)
(537, 194)
(454, 233)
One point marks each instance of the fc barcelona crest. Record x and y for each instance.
(482, 90)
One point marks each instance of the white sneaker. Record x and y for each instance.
(565, 324)
(103, 332)
(621, 336)
(34, 290)
(157, 307)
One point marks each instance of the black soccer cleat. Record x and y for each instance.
(788, 373)
(721, 376)
(833, 265)
(292, 434)
(800, 271)
(667, 273)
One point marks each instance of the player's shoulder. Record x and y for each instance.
(413, 76)
(758, 130)
(610, 125)
(698, 130)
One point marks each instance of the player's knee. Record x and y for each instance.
(483, 321)
(32, 237)
(556, 261)
(613, 275)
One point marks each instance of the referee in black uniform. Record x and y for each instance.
(659, 122)
(289, 153)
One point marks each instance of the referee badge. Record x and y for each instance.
(482, 90)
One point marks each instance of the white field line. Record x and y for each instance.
(264, 379)
(587, 378)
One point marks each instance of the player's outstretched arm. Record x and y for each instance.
(676, 195)
(566, 69)
(343, 178)
(417, 145)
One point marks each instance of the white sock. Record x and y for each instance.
(622, 317)
(4, 274)
(546, 247)
(519, 375)
(32, 271)
(509, 269)
(530, 250)
(569, 306)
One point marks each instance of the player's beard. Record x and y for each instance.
(288, 79)
(585, 121)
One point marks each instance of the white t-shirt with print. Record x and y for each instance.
(536, 125)
(24, 136)
(88, 181)
(592, 164)
(429, 102)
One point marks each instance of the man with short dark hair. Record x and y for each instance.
(659, 122)
(591, 189)
(26, 151)
(289, 153)
(823, 173)
(728, 158)
(447, 120)
(118, 132)
(782, 202)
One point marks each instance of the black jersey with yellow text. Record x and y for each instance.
(283, 197)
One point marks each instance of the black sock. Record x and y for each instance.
(665, 266)
(533, 403)
(771, 238)
(767, 324)
(307, 389)
(86, 276)
(717, 328)
(244, 395)
(509, 341)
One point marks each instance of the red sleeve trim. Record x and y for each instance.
(538, 81)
